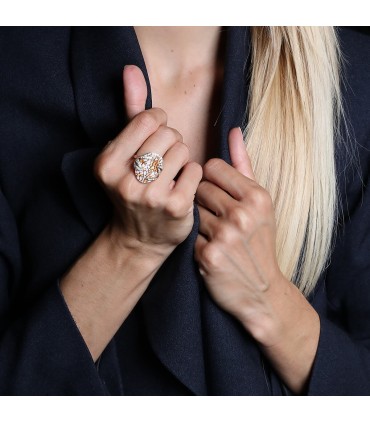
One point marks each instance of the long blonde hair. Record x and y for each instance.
(293, 114)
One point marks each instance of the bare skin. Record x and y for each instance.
(237, 258)
(107, 281)
(190, 85)
(235, 248)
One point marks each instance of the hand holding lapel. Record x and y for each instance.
(88, 196)
(235, 248)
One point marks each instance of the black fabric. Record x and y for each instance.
(60, 102)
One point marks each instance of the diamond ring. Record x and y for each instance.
(148, 167)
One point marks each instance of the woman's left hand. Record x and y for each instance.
(236, 248)
(236, 253)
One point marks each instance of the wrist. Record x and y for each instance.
(103, 286)
(122, 244)
(286, 315)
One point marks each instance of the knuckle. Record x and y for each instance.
(102, 168)
(124, 190)
(201, 190)
(162, 115)
(147, 121)
(213, 164)
(172, 133)
(226, 234)
(152, 199)
(202, 187)
(211, 256)
(165, 133)
(175, 207)
(238, 216)
(261, 199)
(178, 136)
(197, 171)
(183, 150)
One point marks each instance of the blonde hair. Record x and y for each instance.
(294, 109)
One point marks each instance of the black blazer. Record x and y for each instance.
(60, 102)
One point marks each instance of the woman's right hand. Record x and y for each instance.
(156, 216)
(103, 286)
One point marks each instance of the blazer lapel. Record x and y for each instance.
(235, 86)
(98, 56)
(87, 195)
(234, 364)
(203, 346)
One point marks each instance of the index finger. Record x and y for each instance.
(226, 177)
(132, 137)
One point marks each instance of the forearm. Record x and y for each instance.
(103, 287)
(289, 337)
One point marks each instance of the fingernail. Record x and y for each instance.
(127, 66)
(202, 272)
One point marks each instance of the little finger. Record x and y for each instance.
(188, 181)
(181, 199)
(174, 160)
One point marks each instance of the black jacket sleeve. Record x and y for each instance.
(41, 350)
(342, 364)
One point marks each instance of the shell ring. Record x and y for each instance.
(148, 167)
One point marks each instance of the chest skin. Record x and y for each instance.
(192, 107)
(191, 98)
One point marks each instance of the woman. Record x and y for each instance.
(113, 282)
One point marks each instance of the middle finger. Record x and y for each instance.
(160, 142)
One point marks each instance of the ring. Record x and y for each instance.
(148, 167)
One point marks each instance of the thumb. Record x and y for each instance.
(134, 90)
(238, 153)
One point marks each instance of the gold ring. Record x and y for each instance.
(148, 167)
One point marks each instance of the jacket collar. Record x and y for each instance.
(98, 56)
(173, 302)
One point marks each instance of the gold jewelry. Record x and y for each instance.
(148, 167)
